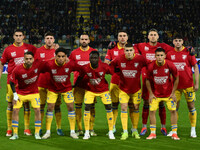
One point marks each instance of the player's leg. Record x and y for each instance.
(124, 98)
(190, 97)
(114, 92)
(51, 100)
(171, 105)
(43, 99)
(58, 116)
(9, 110)
(153, 107)
(78, 98)
(69, 100)
(106, 99)
(162, 115)
(92, 118)
(27, 115)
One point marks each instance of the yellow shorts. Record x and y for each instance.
(67, 96)
(9, 94)
(130, 98)
(79, 94)
(171, 105)
(33, 98)
(188, 92)
(89, 97)
(43, 96)
(114, 92)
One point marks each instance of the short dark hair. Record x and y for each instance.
(48, 34)
(18, 30)
(178, 36)
(129, 44)
(61, 49)
(84, 34)
(160, 50)
(153, 29)
(125, 31)
(29, 53)
(94, 52)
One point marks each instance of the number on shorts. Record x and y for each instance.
(172, 102)
(70, 95)
(190, 94)
(139, 95)
(37, 101)
(107, 96)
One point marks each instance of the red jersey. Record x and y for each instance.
(81, 57)
(26, 78)
(14, 56)
(44, 54)
(111, 55)
(160, 78)
(130, 71)
(183, 62)
(60, 75)
(96, 77)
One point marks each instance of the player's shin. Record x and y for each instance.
(145, 115)
(124, 120)
(72, 120)
(92, 117)
(9, 112)
(27, 114)
(110, 119)
(49, 118)
(78, 112)
(162, 114)
(115, 112)
(58, 116)
(193, 117)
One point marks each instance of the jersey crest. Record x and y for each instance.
(116, 53)
(42, 55)
(123, 65)
(13, 54)
(24, 75)
(78, 57)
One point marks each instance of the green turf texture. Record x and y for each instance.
(100, 142)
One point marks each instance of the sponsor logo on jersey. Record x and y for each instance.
(42, 55)
(60, 78)
(83, 62)
(36, 70)
(146, 48)
(13, 54)
(173, 57)
(116, 53)
(136, 65)
(89, 74)
(31, 80)
(24, 75)
(19, 60)
(180, 66)
(129, 73)
(160, 80)
(78, 57)
(150, 56)
(155, 71)
(100, 73)
(95, 81)
(184, 57)
(66, 70)
(26, 50)
(166, 70)
(123, 65)
(54, 71)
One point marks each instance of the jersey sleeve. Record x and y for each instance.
(150, 71)
(13, 76)
(166, 47)
(4, 57)
(135, 46)
(33, 49)
(108, 55)
(192, 60)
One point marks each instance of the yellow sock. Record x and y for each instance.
(37, 126)
(15, 125)
(9, 118)
(27, 114)
(110, 119)
(58, 119)
(87, 120)
(153, 128)
(42, 116)
(72, 119)
(193, 117)
(135, 118)
(78, 111)
(115, 114)
(49, 118)
(92, 118)
(174, 128)
(124, 120)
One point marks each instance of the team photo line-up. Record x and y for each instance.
(41, 76)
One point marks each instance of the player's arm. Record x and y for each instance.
(107, 61)
(151, 95)
(196, 75)
(175, 85)
(1, 70)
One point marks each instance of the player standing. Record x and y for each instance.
(184, 63)
(14, 56)
(81, 57)
(162, 88)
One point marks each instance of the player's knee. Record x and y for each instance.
(124, 106)
(50, 107)
(190, 105)
(115, 104)
(57, 108)
(136, 106)
(42, 106)
(87, 107)
(26, 105)
(37, 111)
(173, 112)
(108, 106)
(10, 105)
(15, 111)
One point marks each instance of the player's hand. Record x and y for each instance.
(112, 45)
(196, 87)
(55, 46)
(151, 97)
(173, 97)
(191, 50)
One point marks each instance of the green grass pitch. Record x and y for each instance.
(100, 142)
